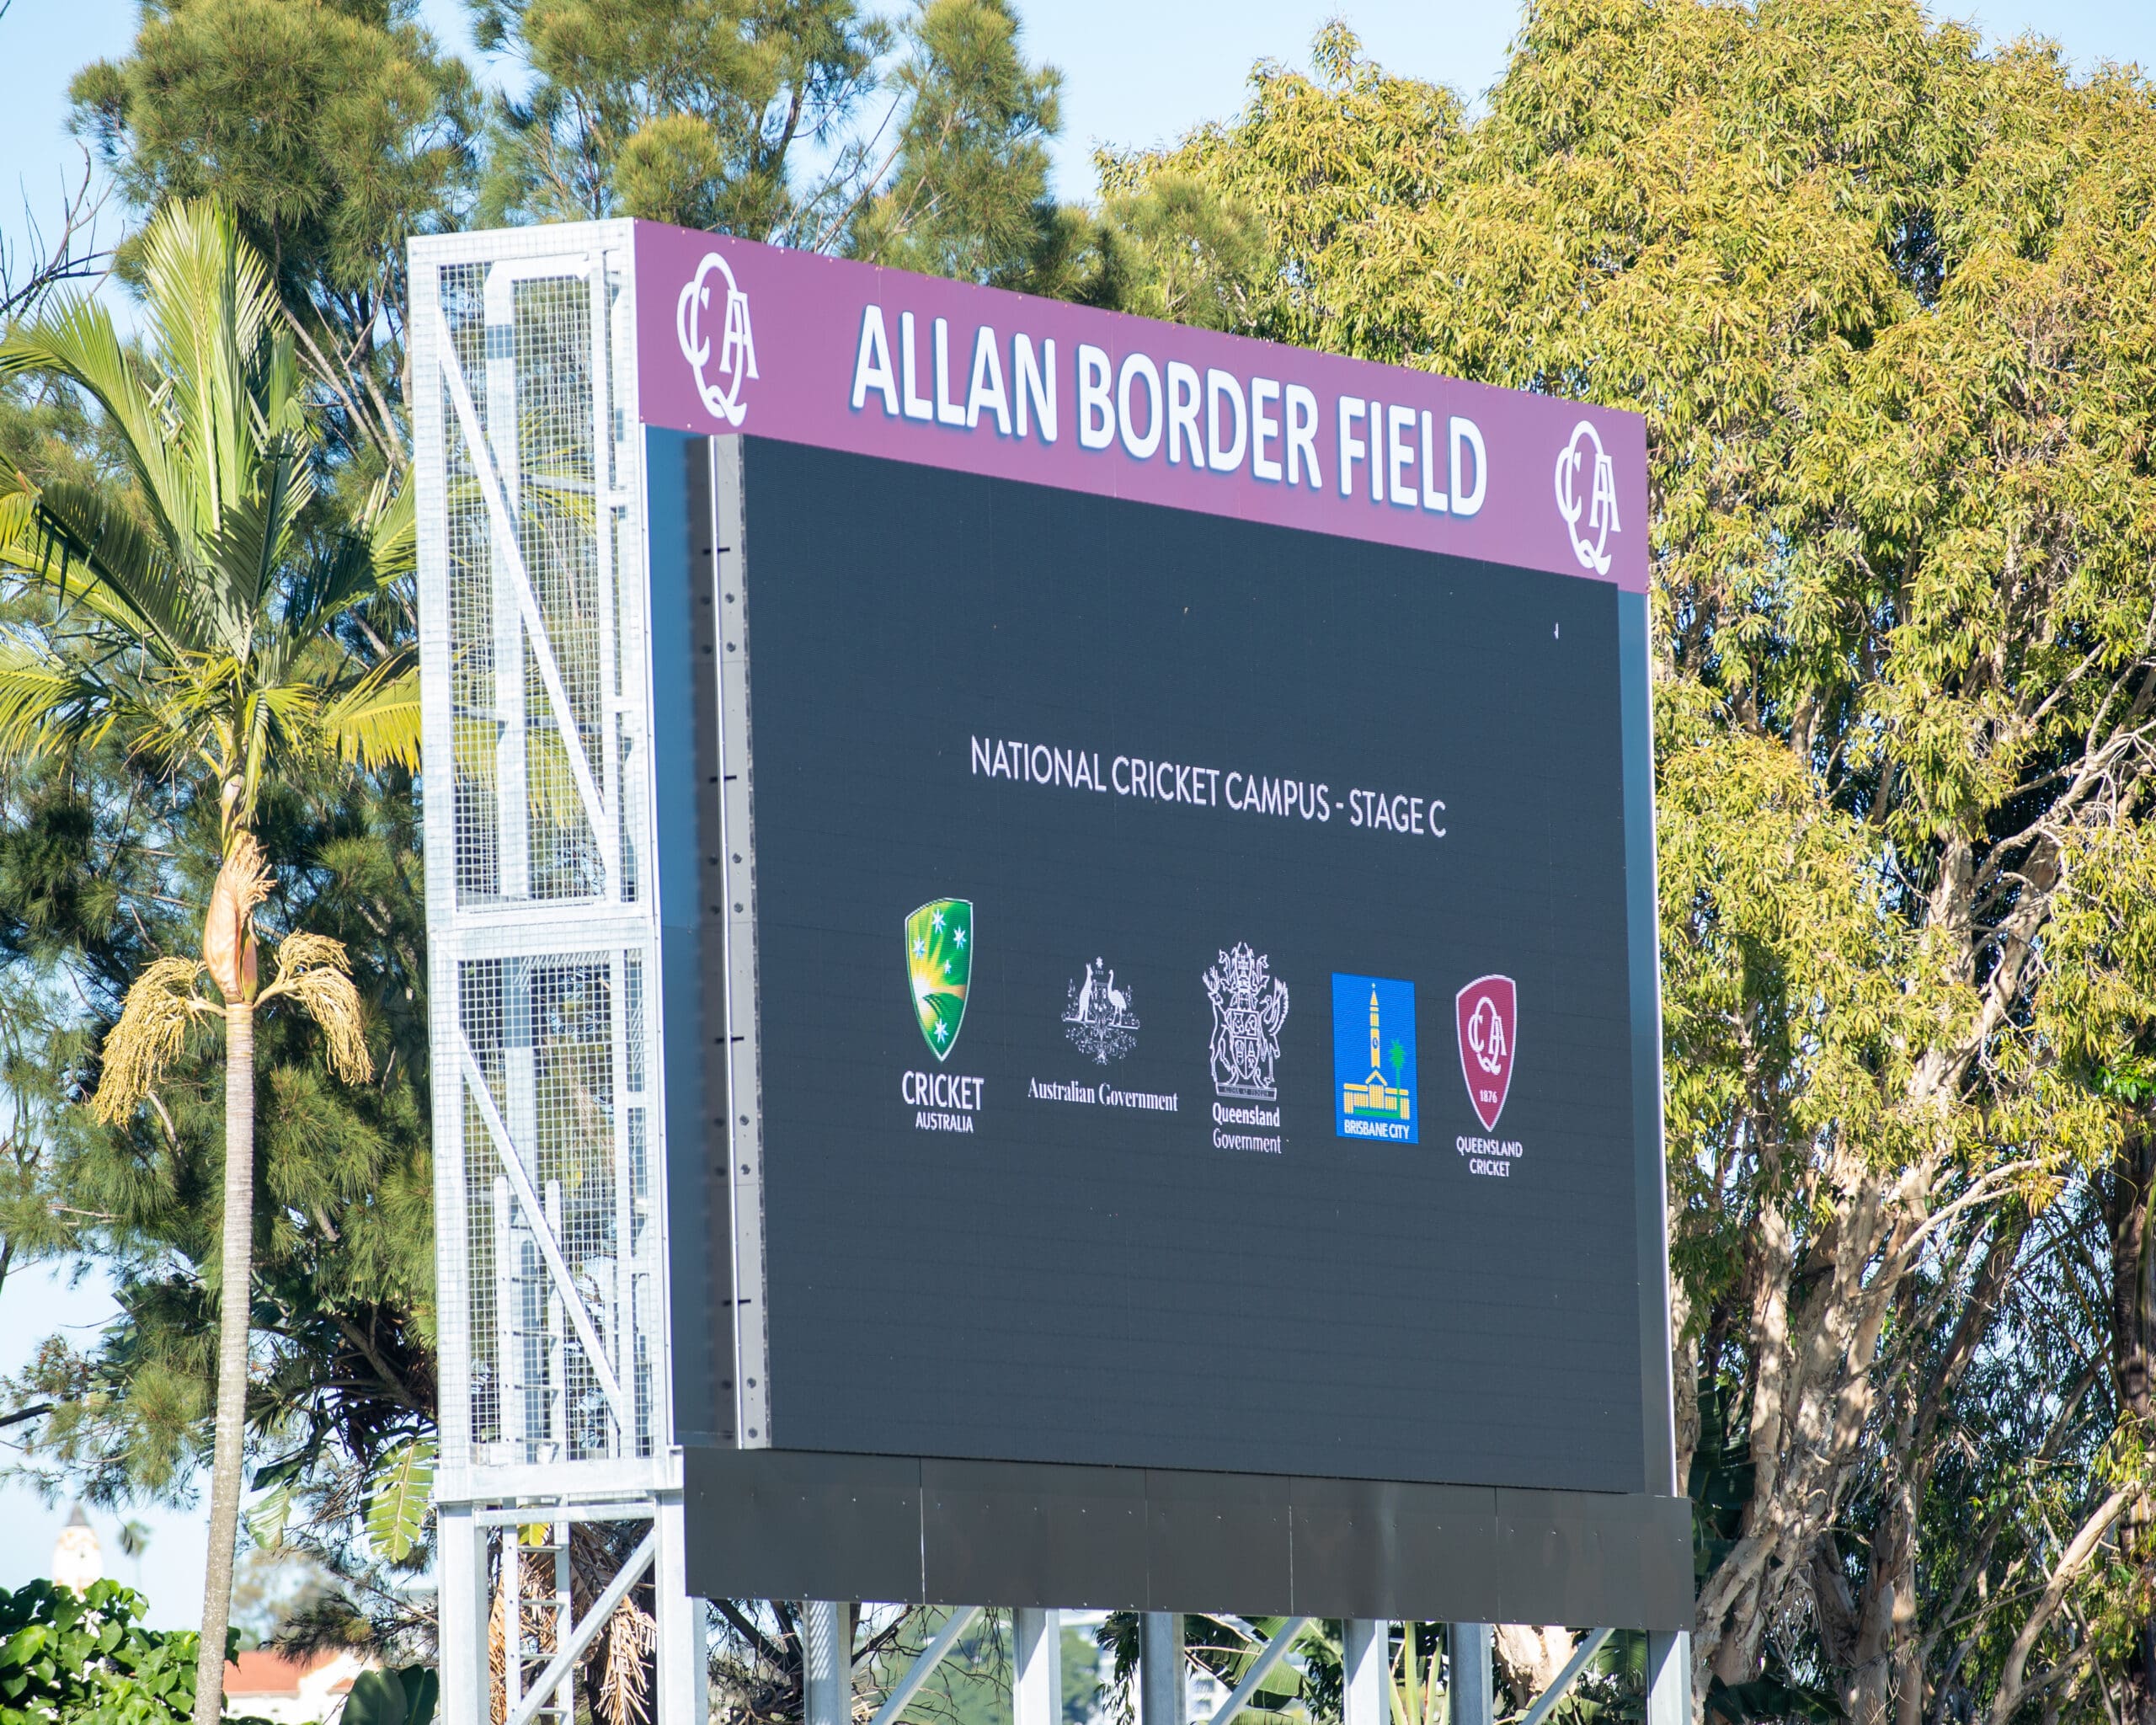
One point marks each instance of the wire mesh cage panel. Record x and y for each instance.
(536, 702)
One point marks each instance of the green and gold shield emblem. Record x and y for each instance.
(939, 962)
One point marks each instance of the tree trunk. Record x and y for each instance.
(2126, 1196)
(235, 1278)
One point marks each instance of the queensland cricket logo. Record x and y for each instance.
(1250, 1005)
(939, 963)
(1600, 505)
(737, 345)
(1488, 1012)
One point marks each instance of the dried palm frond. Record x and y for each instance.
(313, 972)
(153, 1027)
(228, 930)
(498, 1654)
(632, 1636)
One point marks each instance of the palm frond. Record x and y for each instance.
(377, 723)
(81, 538)
(74, 337)
(211, 301)
(355, 566)
(392, 526)
(48, 705)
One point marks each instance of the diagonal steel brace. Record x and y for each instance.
(549, 1248)
(527, 601)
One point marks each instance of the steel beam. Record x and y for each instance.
(1470, 1691)
(1363, 1671)
(826, 1662)
(460, 1601)
(1036, 1666)
(1669, 1678)
(1161, 1686)
(684, 1676)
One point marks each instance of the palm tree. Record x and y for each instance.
(208, 624)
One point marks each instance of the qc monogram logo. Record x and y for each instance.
(1488, 1010)
(1600, 505)
(736, 346)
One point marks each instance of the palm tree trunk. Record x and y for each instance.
(236, 1273)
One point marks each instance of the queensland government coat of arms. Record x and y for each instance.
(1249, 1004)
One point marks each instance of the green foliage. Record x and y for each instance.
(931, 130)
(404, 1696)
(715, 96)
(206, 631)
(969, 196)
(398, 1497)
(1882, 299)
(68, 1657)
(334, 131)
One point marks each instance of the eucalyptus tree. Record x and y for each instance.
(204, 621)
(1883, 298)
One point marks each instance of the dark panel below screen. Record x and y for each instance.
(788, 1524)
(1061, 1281)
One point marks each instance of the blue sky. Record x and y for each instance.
(1135, 72)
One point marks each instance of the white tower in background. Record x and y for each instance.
(77, 1559)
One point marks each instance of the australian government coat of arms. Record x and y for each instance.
(1250, 1005)
(1100, 1020)
(939, 964)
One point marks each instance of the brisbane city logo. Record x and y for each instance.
(1374, 1058)
(737, 342)
(1600, 505)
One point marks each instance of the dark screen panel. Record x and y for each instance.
(1043, 1275)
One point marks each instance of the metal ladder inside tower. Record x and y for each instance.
(538, 1616)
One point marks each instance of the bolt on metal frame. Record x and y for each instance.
(549, 1153)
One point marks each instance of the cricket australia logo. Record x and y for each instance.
(1100, 1021)
(939, 964)
(1600, 505)
(736, 346)
(1250, 1005)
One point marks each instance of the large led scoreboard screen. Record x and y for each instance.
(1157, 865)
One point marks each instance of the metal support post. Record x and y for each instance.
(827, 1662)
(461, 1601)
(1363, 1672)
(1161, 1687)
(1471, 1692)
(1036, 1666)
(1669, 1677)
(684, 1697)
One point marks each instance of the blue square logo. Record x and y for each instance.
(1374, 1058)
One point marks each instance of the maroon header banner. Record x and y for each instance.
(734, 336)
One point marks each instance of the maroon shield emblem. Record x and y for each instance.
(1489, 1011)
